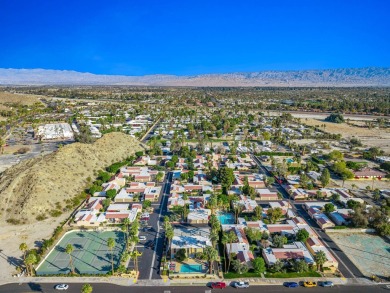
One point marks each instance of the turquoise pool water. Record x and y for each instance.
(226, 218)
(186, 268)
(289, 160)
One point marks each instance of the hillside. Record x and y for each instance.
(344, 77)
(35, 187)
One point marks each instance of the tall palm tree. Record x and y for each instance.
(134, 255)
(320, 258)
(69, 249)
(126, 224)
(30, 260)
(214, 237)
(231, 237)
(111, 245)
(23, 247)
(224, 242)
(211, 255)
(169, 236)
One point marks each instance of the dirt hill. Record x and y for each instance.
(41, 185)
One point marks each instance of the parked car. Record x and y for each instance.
(326, 284)
(309, 284)
(218, 285)
(142, 238)
(240, 285)
(61, 287)
(291, 284)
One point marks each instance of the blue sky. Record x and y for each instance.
(193, 37)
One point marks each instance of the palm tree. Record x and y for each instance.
(231, 237)
(211, 255)
(320, 258)
(111, 245)
(30, 260)
(224, 242)
(87, 288)
(214, 237)
(126, 224)
(23, 247)
(134, 255)
(169, 236)
(69, 249)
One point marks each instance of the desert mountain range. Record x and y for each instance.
(344, 77)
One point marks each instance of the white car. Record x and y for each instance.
(61, 287)
(142, 238)
(240, 285)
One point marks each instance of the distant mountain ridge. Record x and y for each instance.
(348, 77)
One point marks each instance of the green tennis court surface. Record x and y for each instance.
(90, 255)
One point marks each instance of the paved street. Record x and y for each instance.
(149, 262)
(346, 267)
(104, 288)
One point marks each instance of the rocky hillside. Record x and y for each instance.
(370, 76)
(38, 186)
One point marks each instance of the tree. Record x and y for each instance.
(69, 249)
(270, 180)
(274, 214)
(352, 204)
(31, 259)
(111, 193)
(302, 235)
(329, 208)
(335, 118)
(231, 237)
(320, 258)
(226, 177)
(300, 266)
(224, 242)
(169, 233)
(211, 255)
(277, 266)
(23, 247)
(239, 267)
(111, 245)
(181, 255)
(87, 288)
(279, 241)
(325, 177)
(258, 211)
(159, 176)
(258, 265)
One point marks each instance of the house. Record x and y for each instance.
(192, 239)
(152, 193)
(266, 194)
(248, 204)
(124, 195)
(323, 221)
(198, 216)
(241, 246)
(338, 218)
(314, 245)
(295, 251)
(368, 173)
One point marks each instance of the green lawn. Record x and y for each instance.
(292, 275)
(251, 274)
(233, 275)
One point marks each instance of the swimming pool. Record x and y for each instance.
(187, 269)
(289, 160)
(226, 218)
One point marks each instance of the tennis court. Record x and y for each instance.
(90, 255)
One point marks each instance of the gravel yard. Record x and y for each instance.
(370, 253)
